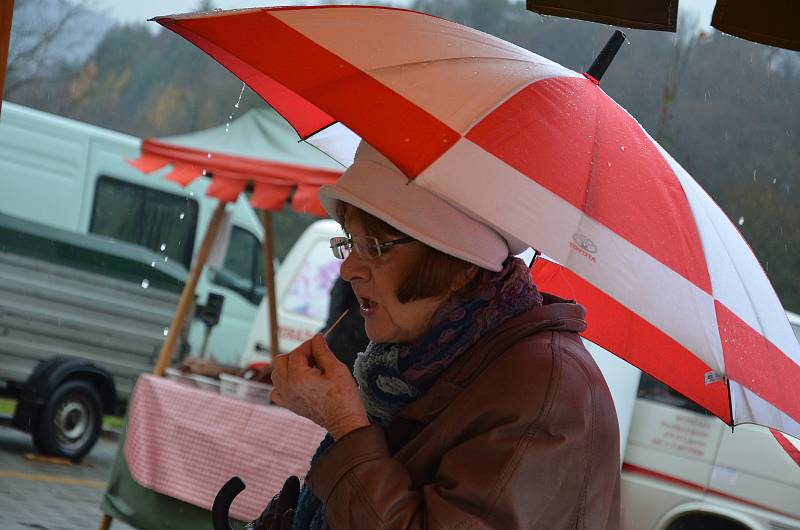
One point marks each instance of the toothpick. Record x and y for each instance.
(333, 326)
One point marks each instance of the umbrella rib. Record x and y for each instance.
(453, 59)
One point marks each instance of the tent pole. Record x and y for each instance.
(6, 13)
(269, 281)
(187, 296)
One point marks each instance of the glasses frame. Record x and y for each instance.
(337, 243)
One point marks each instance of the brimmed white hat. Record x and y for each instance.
(375, 185)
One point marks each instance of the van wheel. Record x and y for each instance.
(71, 421)
(702, 521)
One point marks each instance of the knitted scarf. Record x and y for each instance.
(392, 375)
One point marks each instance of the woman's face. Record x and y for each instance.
(375, 283)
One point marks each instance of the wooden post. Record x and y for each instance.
(105, 522)
(187, 296)
(269, 281)
(6, 12)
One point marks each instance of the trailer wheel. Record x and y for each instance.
(71, 421)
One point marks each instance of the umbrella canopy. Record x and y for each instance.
(542, 154)
(258, 149)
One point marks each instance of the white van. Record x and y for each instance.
(683, 469)
(93, 257)
(75, 177)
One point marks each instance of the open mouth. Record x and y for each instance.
(366, 305)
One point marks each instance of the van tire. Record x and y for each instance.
(71, 421)
(704, 521)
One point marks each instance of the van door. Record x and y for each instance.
(240, 280)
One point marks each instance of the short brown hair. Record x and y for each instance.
(433, 274)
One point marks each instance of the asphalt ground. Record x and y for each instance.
(37, 494)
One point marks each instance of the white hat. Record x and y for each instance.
(375, 185)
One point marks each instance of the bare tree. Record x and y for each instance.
(41, 44)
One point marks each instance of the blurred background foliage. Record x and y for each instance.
(728, 110)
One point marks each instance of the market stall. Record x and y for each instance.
(176, 435)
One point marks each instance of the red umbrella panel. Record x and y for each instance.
(544, 156)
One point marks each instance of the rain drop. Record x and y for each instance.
(166, 331)
(406, 140)
(622, 148)
(774, 181)
(741, 221)
(609, 164)
(209, 155)
(230, 116)
(191, 194)
(152, 263)
(166, 259)
(181, 216)
(205, 172)
(145, 283)
(163, 247)
(240, 97)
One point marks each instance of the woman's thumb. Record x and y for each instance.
(322, 353)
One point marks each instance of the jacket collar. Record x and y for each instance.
(555, 314)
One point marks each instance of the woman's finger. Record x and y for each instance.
(299, 358)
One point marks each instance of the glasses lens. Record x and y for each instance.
(340, 246)
(367, 247)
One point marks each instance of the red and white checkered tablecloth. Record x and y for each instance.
(186, 443)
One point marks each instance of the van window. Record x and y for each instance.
(157, 220)
(310, 290)
(654, 390)
(243, 269)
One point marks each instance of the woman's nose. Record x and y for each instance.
(354, 268)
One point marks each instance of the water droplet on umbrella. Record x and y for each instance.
(741, 221)
(166, 331)
(230, 116)
(166, 259)
(609, 164)
(209, 155)
(145, 283)
(181, 216)
(775, 180)
(152, 263)
(406, 140)
(163, 247)
(191, 194)
(622, 148)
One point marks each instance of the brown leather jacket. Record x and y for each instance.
(519, 432)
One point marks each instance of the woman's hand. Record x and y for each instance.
(312, 382)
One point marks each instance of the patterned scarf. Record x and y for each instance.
(392, 375)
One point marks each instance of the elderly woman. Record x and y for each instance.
(475, 404)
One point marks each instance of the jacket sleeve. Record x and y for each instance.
(507, 468)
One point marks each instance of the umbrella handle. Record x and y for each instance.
(223, 501)
(606, 55)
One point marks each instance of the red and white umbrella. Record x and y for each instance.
(543, 154)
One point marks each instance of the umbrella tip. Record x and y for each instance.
(604, 58)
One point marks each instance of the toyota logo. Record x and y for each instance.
(585, 243)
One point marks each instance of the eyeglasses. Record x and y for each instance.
(367, 247)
